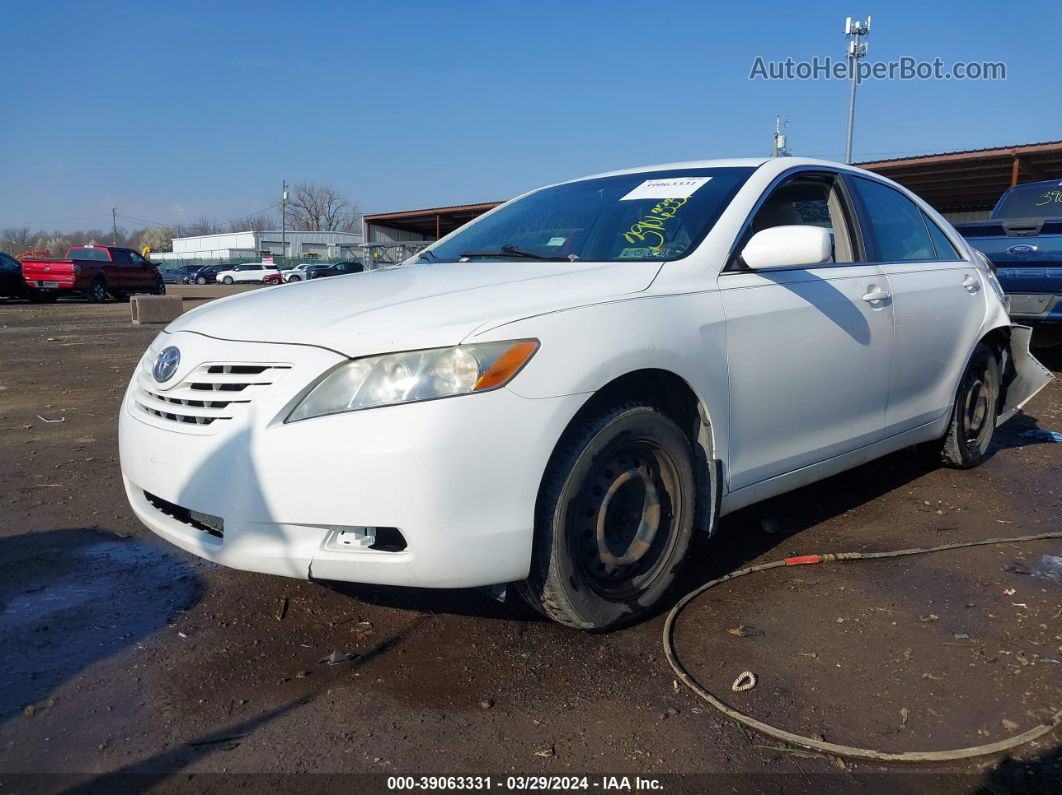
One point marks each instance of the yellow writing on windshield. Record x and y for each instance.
(650, 229)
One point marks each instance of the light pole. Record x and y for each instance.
(857, 48)
(284, 219)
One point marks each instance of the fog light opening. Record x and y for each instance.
(353, 539)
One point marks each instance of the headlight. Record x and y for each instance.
(416, 375)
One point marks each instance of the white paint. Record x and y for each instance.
(802, 373)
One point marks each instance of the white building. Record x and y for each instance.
(251, 245)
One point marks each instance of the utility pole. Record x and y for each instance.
(114, 226)
(781, 146)
(857, 48)
(284, 218)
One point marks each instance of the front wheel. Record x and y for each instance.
(614, 519)
(294, 278)
(160, 288)
(973, 419)
(200, 280)
(227, 280)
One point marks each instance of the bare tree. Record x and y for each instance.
(15, 240)
(259, 223)
(200, 226)
(320, 208)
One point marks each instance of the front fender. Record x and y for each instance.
(585, 348)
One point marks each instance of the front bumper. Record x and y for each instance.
(458, 477)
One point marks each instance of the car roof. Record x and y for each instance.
(775, 163)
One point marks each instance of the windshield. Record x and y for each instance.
(651, 215)
(1032, 201)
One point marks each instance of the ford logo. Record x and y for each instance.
(1022, 250)
(166, 364)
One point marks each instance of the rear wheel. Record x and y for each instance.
(973, 419)
(294, 278)
(614, 519)
(200, 280)
(97, 291)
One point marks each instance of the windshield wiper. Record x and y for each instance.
(509, 250)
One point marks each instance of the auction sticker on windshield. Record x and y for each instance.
(669, 188)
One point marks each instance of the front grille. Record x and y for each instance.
(212, 393)
(213, 525)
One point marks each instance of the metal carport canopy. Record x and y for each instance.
(973, 179)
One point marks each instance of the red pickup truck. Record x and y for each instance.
(94, 271)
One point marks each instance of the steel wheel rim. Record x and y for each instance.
(977, 404)
(623, 526)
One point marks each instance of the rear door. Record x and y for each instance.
(809, 349)
(939, 304)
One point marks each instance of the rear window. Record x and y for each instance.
(86, 252)
(1031, 201)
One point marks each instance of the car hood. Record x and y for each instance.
(416, 306)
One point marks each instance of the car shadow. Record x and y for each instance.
(144, 774)
(72, 597)
(1041, 773)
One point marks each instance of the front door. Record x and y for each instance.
(809, 349)
(143, 271)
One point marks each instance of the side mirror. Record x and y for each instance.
(788, 246)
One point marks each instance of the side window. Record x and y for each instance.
(898, 225)
(136, 258)
(9, 263)
(121, 257)
(944, 247)
(810, 200)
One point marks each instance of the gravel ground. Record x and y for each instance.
(123, 655)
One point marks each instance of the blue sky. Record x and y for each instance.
(180, 109)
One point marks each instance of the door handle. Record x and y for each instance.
(971, 284)
(875, 294)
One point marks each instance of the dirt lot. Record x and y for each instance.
(124, 655)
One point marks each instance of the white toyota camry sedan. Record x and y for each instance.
(559, 394)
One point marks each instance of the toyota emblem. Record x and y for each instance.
(166, 364)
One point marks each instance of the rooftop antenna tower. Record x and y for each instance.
(781, 143)
(856, 31)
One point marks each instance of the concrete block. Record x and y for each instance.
(155, 308)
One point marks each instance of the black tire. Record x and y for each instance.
(632, 466)
(227, 280)
(97, 291)
(973, 418)
(295, 279)
(200, 280)
(160, 287)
